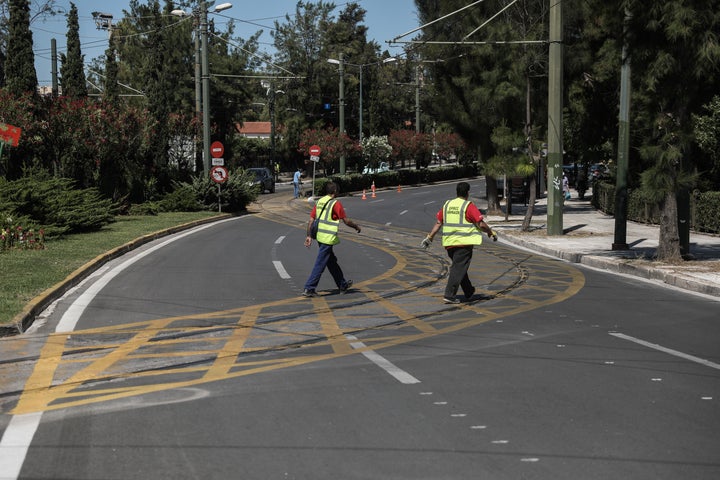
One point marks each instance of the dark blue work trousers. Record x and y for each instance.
(325, 258)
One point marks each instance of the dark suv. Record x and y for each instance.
(264, 179)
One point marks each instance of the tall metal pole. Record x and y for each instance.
(205, 88)
(53, 66)
(272, 126)
(555, 127)
(360, 130)
(342, 108)
(198, 95)
(621, 194)
(417, 99)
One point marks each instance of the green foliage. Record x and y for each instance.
(53, 203)
(72, 68)
(235, 194)
(707, 212)
(147, 208)
(182, 199)
(705, 207)
(357, 182)
(20, 75)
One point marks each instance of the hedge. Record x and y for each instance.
(357, 182)
(704, 207)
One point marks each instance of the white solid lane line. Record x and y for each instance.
(20, 431)
(400, 375)
(669, 351)
(15, 442)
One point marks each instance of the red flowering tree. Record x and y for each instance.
(447, 145)
(408, 145)
(332, 146)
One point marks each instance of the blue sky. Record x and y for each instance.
(385, 20)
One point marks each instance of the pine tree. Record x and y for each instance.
(676, 59)
(20, 75)
(71, 68)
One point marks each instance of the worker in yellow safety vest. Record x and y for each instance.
(328, 212)
(462, 225)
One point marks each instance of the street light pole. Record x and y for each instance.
(360, 130)
(342, 109)
(202, 74)
(205, 88)
(417, 99)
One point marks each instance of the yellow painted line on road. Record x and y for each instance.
(71, 373)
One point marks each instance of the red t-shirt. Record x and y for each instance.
(338, 212)
(472, 214)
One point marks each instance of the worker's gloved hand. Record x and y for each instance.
(493, 235)
(426, 242)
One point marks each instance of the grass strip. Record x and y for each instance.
(24, 274)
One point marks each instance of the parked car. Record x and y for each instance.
(263, 179)
(382, 167)
(598, 170)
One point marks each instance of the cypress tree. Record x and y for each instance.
(71, 69)
(20, 75)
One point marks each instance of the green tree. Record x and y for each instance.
(72, 69)
(676, 59)
(19, 64)
(707, 133)
(477, 86)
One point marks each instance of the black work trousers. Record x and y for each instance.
(458, 276)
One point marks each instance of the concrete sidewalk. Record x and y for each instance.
(589, 235)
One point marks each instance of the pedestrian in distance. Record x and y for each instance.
(462, 225)
(329, 211)
(565, 186)
(297, 182)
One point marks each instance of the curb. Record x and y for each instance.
(612, 265)
(34, 307)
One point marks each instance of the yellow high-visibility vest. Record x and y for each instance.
(456, 230)
(327, 227)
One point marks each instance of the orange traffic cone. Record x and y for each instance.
(399, 188)
(372, 187)
(364, 197)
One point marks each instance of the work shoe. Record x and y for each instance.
(452, 301)
(348, 284)
(309, 293)
(472, 292)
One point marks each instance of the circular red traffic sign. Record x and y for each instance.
(314, 150)
(216, 149)
(219, 174)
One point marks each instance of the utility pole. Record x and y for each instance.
(621, 193)
(342, 109)
(555, 127)
(205, 88)
(417, 99)
(53, 66)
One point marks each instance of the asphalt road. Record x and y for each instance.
(195, 357)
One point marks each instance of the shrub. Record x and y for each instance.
(147, 208)
(707, 212)
(183, 198)
(236, 193)
(53, 203)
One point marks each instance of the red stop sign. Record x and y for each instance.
(315, 150)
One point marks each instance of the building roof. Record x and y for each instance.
(253, 128)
